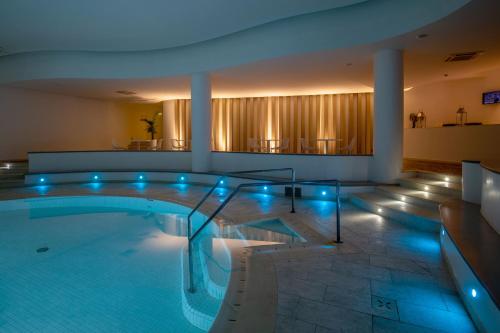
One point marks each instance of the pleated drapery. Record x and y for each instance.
(345, 117)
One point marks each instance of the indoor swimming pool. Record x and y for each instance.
(114, 264)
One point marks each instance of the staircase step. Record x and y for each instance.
(8, 183)
(17, 175)
(433, 186)
(406, 213)
(414, 196)
(439, 177)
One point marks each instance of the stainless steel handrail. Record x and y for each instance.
(212, 189)
(269, 183)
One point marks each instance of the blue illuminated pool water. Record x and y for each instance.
(111, 264)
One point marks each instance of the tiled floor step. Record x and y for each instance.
(439, 177)
(413, 196)
(406, 213)
(12, 175)
(433, 186)
(8, 183)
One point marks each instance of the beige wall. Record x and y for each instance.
(453, 144)
(440, 101)
(35, 121)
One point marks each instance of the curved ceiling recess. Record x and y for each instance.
(362, 23)
(131, 25)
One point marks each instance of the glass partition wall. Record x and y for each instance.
(317, 124)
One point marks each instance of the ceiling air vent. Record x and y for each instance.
(125, 92)
(464, 56)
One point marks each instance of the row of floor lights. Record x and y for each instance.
(43, 180)
(473, 291)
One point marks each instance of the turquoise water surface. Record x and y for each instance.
(110, 264)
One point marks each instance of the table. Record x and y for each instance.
(268, 143)
(140, 145)
(327, 142)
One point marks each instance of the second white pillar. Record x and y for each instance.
(388, 119)
(201, 122)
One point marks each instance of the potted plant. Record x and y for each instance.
(151, 125)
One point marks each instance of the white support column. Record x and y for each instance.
(201, 122)
(169, 130)
(388, 118)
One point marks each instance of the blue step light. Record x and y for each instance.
(96, 177)
(141, 177)
(42, 180)
(182, 178)
(473, 292)
(265, 188)
(323, 193)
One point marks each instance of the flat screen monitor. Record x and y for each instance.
(491, 97)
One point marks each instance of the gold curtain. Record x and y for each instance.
(345, 117)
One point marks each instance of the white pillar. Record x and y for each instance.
(169, 130)
(201, 122)
(388, 119)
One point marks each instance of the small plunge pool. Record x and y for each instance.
(114, 264)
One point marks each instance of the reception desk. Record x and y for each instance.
(453, 144)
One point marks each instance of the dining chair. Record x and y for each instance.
(180, 144)
(116, 146)
(305, 148)
(159, 144)
(349, 149)
(282, 147)
(254, 145)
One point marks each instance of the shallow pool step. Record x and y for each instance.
(215, 269)
(433, 186)
(413, 196)
(200, 308)
(409, 214)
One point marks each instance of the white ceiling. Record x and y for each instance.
(133, 25)
(472, 28)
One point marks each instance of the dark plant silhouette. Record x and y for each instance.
(151, 126)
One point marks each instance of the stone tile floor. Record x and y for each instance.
(385, 277)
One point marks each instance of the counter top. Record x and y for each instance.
(491, 165)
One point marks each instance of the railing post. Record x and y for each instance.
(338, 212)
(192, 287)
(293, 191)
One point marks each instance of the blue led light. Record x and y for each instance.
(323, 192)
(221, 182)
(96, 177)
(42, 180)
(141, 177)
(265, 188)
(442, 232)
(182, 178)
(473, 292)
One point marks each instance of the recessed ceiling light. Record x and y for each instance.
(408, 89)
(445, 75)
(125, 92)
(422, 36)
(349, 64)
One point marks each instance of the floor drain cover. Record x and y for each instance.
(42, 249)
(385, 307)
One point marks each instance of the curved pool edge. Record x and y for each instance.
(112, 201)
(251, 300)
